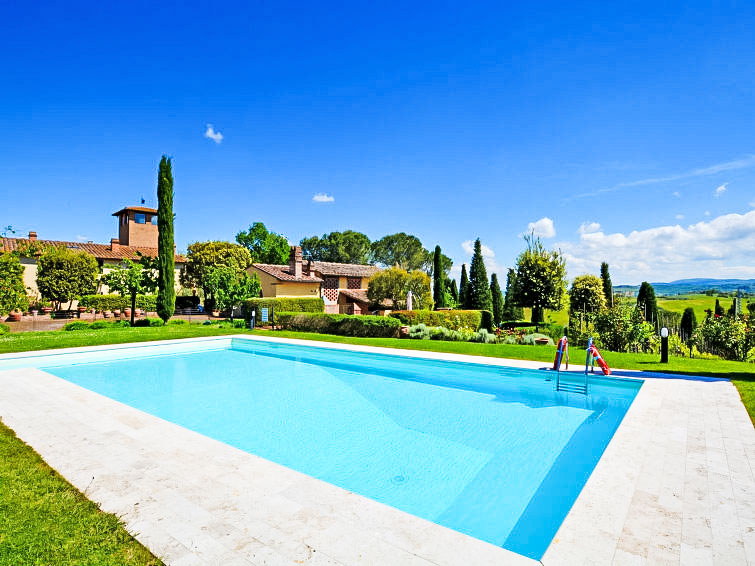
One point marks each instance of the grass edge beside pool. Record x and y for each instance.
(46, 520)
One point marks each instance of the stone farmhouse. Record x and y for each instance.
(343, 286)
(137, 234)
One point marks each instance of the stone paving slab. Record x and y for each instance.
(674, 486)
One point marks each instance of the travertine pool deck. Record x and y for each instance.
(674, 486)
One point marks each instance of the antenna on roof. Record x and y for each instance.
(142, 199)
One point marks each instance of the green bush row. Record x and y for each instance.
(281, 305)
(341, 324)
(97, 325)
(146, 303)
(451, 319)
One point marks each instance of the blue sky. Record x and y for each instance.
(620, 133)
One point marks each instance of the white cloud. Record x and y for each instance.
(468, 247)
(323, 197)
(752, 204)
(707, 213)
(588, 228)
(721, 247)
(676, 194)
(720, 190)
(211, 134)
(543, 228)
(679, 217)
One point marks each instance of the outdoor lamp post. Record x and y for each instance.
(251, 322)
(664, 345)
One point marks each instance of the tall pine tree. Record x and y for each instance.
(719, 310)
(607, 285)
(464, 288)
(495, 291)
(453, 290)
(166, 259)
(647, 304)
(479, 297)
(439, 294)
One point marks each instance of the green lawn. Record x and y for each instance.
(45, 520)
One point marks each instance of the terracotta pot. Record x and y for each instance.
(117, 312)
(14, 316)
(46, 310)
(107, 314)
(82, 309)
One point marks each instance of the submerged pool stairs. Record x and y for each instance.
(571, 386)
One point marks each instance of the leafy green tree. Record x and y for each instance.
(400, 250)
(586, 295)
(131, 279)
(688, 324)
(340, 247)
(540, 278)
(439, 288)
(201, 257)
(264, 246)
(511, 311)
(12, 289)
(495, 291)
(647, 303)
(230, 288)
(605, 276)
(719, 310)
(393, 284)
(64, 275)
(464, 288)
(479, 287)
(166, 259)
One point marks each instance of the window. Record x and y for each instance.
(140, 218)
(154, 220)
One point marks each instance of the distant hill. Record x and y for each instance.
(687, 286)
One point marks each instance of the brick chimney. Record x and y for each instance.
(115, 244)
(294, 262)
(33, 236)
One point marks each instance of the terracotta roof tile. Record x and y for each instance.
(282, 273)
(136, 209)
(100, 251)
(359, 295)
(344, 269)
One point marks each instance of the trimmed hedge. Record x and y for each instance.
(97, 325)
(452, 319)
(282, 305)
(366, 326)
(111, 302)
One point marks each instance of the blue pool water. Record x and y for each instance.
(493, 452)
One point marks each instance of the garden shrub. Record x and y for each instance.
(77, 325)
(176, 321)
(452, 319)
(486, 320)
(280, 305)
(419, 332)
(484, 337)
(148, 322)
(239, 323)
(529, 339)
(341, 324)
(4, 329)
(147, 303)
(101, 324)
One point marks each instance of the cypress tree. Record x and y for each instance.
(688, 324)
(510, 310)
(607, 285)
(479, 297)
(453, 290)
(495, 291)
(166, 290)
(719, 310)
(646, 302)
(438, 294)
(463, 287)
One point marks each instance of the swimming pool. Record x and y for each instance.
(491, 451)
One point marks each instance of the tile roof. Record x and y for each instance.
(100, 251)
(282, 273)
(136, 209)
(344, 269)
(359, 295)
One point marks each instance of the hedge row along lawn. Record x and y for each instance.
(45, 520)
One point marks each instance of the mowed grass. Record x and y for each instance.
(45, 520)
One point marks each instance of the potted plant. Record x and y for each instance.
(107, 314)
(14, 315)
(117, 312)
(127, 312)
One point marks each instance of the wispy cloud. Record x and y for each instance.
(679, 217)
(676, 194)
(543, 228)
(588, 228)
(323, 197)
(720, 190)
(743, 163)
(211, 134)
